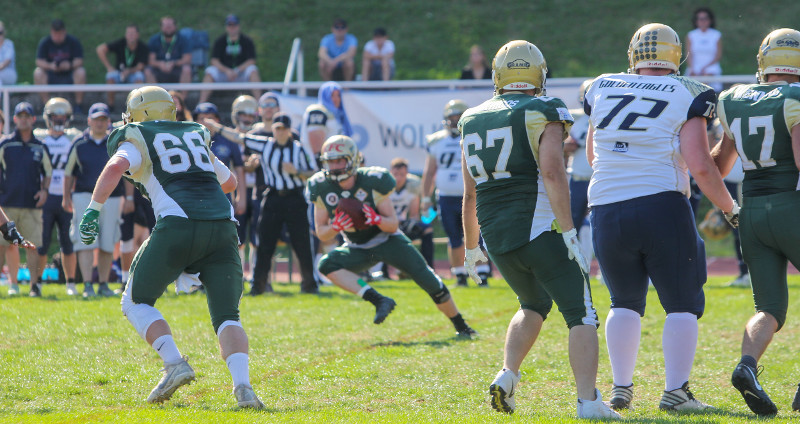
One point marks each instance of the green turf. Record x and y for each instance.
(579, 38)
(320, 359)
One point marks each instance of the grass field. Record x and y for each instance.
(320, 359)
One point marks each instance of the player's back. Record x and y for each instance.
(637, 120)
(501, 148)
(759, 118)
(176, 172)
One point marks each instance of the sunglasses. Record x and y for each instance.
(265, 105)
(339, 27)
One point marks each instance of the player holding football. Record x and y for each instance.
(647, 127)
(378, 241)
(762, 125)
(172, 164)
(516, 194)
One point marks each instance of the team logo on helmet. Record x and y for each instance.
(787, 42)
(518, 64)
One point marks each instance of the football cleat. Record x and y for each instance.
(595, 409)
(467, 332)
(36, 290)
(796, 401)
(88, 290)
(621, 397)
(461, 280)
(175, 376)
(740, 281)
(681, 400)
(502, 391)
(246, 397)
(484, 276)
(104, 290)
(383, 309)
(71, 289)
(745, 380)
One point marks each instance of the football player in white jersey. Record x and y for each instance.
(647, 127)
(58, 138)
(443, 173)
(579, 170)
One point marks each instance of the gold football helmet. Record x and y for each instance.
(246, 105)
(519, 65)
(452, 113)
(583, 89)
(340, 147)
(57, 113)
(149, 103)
(654, 46)
(779, 54)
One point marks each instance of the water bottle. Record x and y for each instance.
(428, 216)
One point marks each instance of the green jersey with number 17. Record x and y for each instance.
(177, 169)
(500, 143)
(759, 118)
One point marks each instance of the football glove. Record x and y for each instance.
(90, 227)
(733, 216)
(571, 240)
(412, 228)
(372, 217)
(341, 222)
(471, 259)
(11, 234)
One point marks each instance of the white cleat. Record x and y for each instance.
(246, 397)
(502, 391)
(681, 400)
(13, 290)
(595, 409)
(175, 376)
(71, 289)
(740, 281)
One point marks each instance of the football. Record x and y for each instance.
(352, 207)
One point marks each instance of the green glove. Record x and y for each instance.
(89, 226)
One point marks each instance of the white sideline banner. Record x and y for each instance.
(390, 124)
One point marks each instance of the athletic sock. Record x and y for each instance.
(167, 349)
(238, 364)
(749, 361)
(458, 322)
(70, 280)
(679, 343)
(372, 296)
(125, 275)
(623, 332)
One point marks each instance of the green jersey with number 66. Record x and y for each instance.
(759, 118)
(177, 168)
(373, 184)
(500, 143)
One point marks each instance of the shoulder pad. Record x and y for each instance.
(695, 88)
(437, 136)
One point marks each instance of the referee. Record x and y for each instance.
(286, 165)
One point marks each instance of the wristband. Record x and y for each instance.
(95, 206)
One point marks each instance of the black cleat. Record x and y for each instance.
(461, 280)
(796, 401)
(467, 333)
(36, 290)
(383, 309)
(484, 276)
(621, 397)
(745, 380)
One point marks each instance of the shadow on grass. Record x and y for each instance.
(431, 343)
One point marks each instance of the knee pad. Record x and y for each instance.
(126, 246)
(226, 324)
(141, 316)
(440, 296)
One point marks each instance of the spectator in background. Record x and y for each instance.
(233, 58)
(87, 158)
(131, 55)
(59, 60)
(12, 253)
(170, 58)
(181, 111)
(24, 179)
(704, 47)
(378, 57)
(337, 52)
(8, 59)
(325, 118)
(477, 67)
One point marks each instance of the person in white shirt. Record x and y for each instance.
(378, 57)
(704, 47)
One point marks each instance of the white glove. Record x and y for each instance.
(471, 258)
(185, 282)
(571, 240)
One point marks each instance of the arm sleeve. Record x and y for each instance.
(723, 119)
(791, 113)
(128, 151)
(222, 171)
(703, 105)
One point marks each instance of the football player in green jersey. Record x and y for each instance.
(516, 194)
(762, 125)
(379, 241)
(195, 232)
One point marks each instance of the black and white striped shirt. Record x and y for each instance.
(273, 154)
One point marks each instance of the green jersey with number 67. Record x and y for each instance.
(177, 168)
(759, 118)
(372, 185)
(500, 143)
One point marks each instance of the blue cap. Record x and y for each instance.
(23, 107)
(205, 107)
(232, 20)
(99, 109)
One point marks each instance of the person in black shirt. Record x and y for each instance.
(233, 58)
(59, 60)
(131, 57)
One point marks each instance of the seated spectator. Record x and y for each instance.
(8, 59)
(170, 58)
(233, 58)
(337, 52)
(378, 57)
(131, 58)
(477, 67)
(59, 60)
